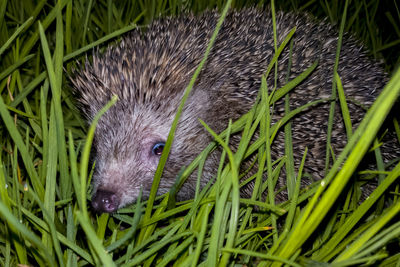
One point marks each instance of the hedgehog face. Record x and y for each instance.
(127, 150)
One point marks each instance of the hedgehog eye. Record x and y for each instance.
(158, 148)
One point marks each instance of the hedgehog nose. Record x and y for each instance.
(105, 201)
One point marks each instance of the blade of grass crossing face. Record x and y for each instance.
(85, 157)
(171, 134)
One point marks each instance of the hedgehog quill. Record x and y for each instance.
(150, 70)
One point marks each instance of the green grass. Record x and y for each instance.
(45, 145)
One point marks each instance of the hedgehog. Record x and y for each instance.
(149, 71)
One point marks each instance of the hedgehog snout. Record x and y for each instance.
(105, 201)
